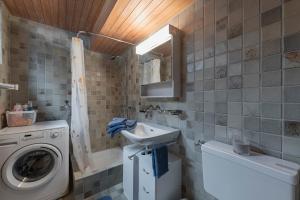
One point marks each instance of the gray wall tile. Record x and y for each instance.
(251, 67)
(220, 83)
(271, 94)
(235, 69)
(271, 126)
(292, 42)
(271, 78)
(221, 120)
(271, 63)
(251, 95)
(292, 112)
(252, 123)
(250, 81)
(271, 47)
(221, 72)
(271, 110)
(251, 109)
(271, 142)
(235, 82)
(291, 76)
(292, 128)
(271, 16)
(235, 108)
(291, 146)
(221, 108)
(292, 94)
(235, 121)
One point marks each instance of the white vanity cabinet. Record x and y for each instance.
(130, 172)
(167, 187)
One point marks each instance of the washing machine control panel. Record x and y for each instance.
(56, 133)
(32, 135)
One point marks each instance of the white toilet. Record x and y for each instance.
(229, 176)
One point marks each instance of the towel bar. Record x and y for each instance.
(148, 148)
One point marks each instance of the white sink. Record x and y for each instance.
(148, 134)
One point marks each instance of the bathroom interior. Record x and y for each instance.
(150, 99)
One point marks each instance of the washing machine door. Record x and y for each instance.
(31, 166)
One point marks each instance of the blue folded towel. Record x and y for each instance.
(114, 128)
(117, 121)
(160, 160)
(119, 124)
(131, 123)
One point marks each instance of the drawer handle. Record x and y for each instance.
(145, 190)
(146, 171)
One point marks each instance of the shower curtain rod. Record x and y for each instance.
(105, 36)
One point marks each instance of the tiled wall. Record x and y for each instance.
(4, 66)
(40, 64)
(107, 182)
(241, 60)
(105, 97)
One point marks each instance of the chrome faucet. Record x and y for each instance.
(148, 111)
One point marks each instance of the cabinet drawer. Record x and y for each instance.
(146, 186)
(145, 193)
(147, 183)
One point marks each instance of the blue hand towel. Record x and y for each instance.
(119, 124)
(117, 121)
(112, 134)
(131, 123)
(160, 161)
(114, 128)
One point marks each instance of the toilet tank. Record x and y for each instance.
(229, 176)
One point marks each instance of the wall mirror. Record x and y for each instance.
(159, 61)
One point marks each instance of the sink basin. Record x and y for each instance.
(149, 134)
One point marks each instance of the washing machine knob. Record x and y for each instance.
(54, 135)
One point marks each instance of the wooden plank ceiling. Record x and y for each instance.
(129, 20)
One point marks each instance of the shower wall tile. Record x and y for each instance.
(101, 182)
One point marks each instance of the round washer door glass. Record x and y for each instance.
(31, 166)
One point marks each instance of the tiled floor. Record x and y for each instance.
(115, 192)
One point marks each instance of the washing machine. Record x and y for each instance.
(34, 161)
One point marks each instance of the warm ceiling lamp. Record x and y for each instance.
(158, 38)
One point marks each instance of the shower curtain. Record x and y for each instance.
(79, 119)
